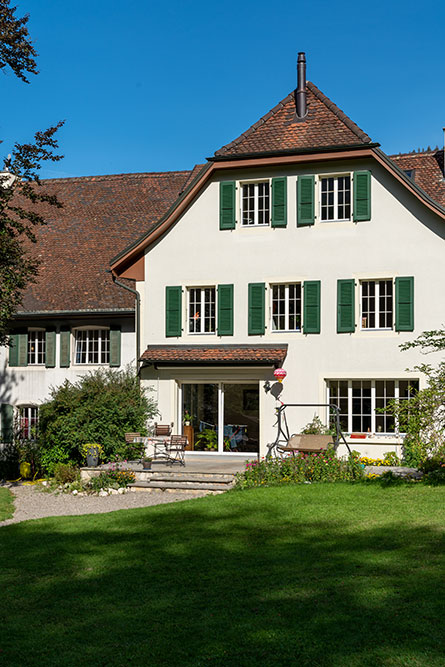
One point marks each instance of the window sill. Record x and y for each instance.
(285, 331)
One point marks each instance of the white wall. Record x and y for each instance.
(403, 238)
(30, 385)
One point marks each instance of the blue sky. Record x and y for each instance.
(153, 86)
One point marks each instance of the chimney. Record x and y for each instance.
(301, 85)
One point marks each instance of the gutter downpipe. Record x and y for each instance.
(138, 314)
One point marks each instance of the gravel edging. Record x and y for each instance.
(31, 503)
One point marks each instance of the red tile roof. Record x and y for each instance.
(101, 215)
(261, 355)
(428, 171)
(280, 129)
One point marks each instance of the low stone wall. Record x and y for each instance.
(400, 471)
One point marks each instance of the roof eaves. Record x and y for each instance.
(291, 151)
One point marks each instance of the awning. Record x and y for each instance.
(214, 355)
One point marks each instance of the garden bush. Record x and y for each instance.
(324, 467)
(101, 407)
(113, 478)
(65, 473)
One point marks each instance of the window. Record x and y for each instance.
(92, 346)
(255, 204)
(377, 304)
(335, 198)
(202, 302)
(286, 307)
(363, 403)
(36, 347)
(411, 173)
(28, 420)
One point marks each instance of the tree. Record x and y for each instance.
(21, 190)
(422, 418)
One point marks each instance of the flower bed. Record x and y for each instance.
(323, 467)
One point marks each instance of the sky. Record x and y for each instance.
(149, 86)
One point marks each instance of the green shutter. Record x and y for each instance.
(362, 196)
(305, 201)
(50, 348)
(345, 306)
(7, 422)
(14, 350)
(279, 202)
(23, 348)
(227, 205)
(65, 347)
(115, 345)
(256, 308)
(311, 303)
(173, 311)
(225, 310)
(405, 304)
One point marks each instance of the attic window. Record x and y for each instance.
(255, 206)
(410, 173)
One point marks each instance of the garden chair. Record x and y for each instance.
(176, 449)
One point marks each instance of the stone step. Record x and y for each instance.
(201, 479)
(180, 473)
(179, 486)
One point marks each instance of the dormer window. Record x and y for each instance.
(335, 198)
(255, 204)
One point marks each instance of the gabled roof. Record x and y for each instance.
(100, 215)
(325, 125)
(428, 171)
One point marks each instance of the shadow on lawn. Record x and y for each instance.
(206, 583)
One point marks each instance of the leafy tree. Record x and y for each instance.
(101, 407)
(20, 187)
(422, 418)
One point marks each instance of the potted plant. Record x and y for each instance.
(91, 452)
(187, 418)
(146, 463)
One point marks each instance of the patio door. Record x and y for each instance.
(221, 417)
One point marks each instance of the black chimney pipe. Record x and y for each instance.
(301, 85)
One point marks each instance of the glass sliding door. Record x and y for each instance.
(241, 418)
(200, 416)
(221, 417)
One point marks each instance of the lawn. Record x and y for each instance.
(331, 574)
(6, 504)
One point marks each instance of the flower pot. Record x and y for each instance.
(146, 465)
(187, 423)
(92, 460)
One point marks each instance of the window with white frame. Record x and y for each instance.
(201, 310)
(36, 347)
(377, 311)
(255, 203)
(286, 307)
(363, 403)
(335, 198)
(92, 346)
(28, 420)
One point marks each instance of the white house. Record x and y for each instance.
(298, 245)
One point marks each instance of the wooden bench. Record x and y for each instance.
(306, 444)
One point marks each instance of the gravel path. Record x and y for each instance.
(30, 503)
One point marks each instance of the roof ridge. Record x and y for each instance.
(102, 177)
(338, 112)
(415, 153)
(257, 124)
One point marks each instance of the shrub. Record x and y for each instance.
(65, 473)
(113, 478)
(324, 467)
(434, 463)
(101, 407)
(316, 427)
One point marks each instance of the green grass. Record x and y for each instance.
(332, 574)
(6, 504)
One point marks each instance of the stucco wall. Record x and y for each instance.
(403, 238)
